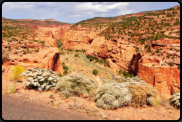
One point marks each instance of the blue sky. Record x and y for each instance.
(73, 12)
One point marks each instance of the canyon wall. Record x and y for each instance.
(165, 79)
(121, 54)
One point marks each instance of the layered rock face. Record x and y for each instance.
(117, 53)
(165, 79)
(77, 39)
(45, 58)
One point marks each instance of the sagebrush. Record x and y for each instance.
(40, 79)
(175, 100)
(112, 95)
(125, 91)
(75, 84)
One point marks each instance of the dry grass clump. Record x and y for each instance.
(123, 91)
(75, 84)
(142, 95)
(15, 73)
(11, 89)
(5, 56)
(112, 95)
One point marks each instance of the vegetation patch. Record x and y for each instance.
(5, 56)
(175, 100)
(41, 79)
(75, 84)
(15, 73)
(112, 95)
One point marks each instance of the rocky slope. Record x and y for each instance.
(32, 43)
(146, 44)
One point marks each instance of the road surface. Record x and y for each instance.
(14, 108)
(112, 75)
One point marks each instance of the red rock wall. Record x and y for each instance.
(165, 79)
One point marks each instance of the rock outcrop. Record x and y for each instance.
(45, 58)
(165, 79)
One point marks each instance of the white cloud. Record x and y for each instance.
(15, 5)
(88, 6)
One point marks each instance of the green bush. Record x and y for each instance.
(126, 74)
(41, 79)
(168, 55)
(147, 45)
(9, 48)
(95, 71)
(157, 51)
(178, 66)
(148, 50)
(59, 43)
(65, 68)
(170, 64)
(37, 50)
(77, 55)
(75, 84)
(120, 71)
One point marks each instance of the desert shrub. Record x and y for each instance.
(77, 50)
(75, 84)
(65, 68)
(95, 71)
(36, 50)
(9, 48)
(126, 74)
(69, 50)
(178, 66)
(147, 45)
(24, 52)
(59, 43)
(77, 55)
(42, 43)
(175, 100)
(112, 95)
(120, 71)
(142, 94)
(40, 79)
(170, 64)
(5, 56)
(137, 49)
(15, 73)
(157, 51)
(168, 55)
(148, 50)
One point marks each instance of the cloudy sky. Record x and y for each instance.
(73, 12)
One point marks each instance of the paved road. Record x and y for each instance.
(112, 75)
(14, 108)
